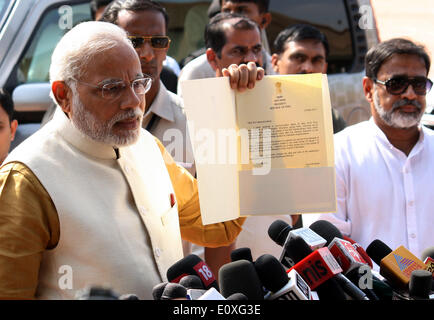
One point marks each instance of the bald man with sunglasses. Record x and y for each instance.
(384, 166)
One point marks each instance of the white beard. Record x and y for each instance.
(395, 118)
(102, 132)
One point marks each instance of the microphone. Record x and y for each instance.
(319, 266)
(274, 278)
(237, 296)
(194, 286)
(96, 293)
(360, 250)
(420, 284)
(192, 265)
(327, 230)
(278, 231)
(428, 252)
(240, 277)
(158, 289)
(396, 266)
(191, 282)
(174, 291)
(241, 254)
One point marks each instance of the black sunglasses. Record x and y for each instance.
(157, 42)
(399, 84)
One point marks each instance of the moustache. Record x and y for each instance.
(406, 102)
(132, 113)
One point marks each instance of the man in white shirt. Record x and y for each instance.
(384, 166)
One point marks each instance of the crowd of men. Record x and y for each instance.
(96, 188)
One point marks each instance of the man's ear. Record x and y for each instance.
(211, 56)
(266, 19)
(275, 62)
(61, 93)
(14, 125)
(368, 89)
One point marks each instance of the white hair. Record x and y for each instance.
(79, 45)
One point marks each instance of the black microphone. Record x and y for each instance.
(420, 284)
(174, 291)
(192, 265)
(240, 277)
(282, 286)
(158, 289)
(327, 230)
(191, 282)
(278, 231)
(242, 254)
(194, 286)
(237, 296)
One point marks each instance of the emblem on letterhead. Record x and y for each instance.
(278, 88)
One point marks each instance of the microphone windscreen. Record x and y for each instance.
(326, 229)
(298, 249)
(191, 282)
(192, 265)
(242, 254)
(278, 231)
(377, 250)
(420, 284)
(428, 252)
(331, 291)
(174, 291)
(158, 289)
(240, 277)
(237, 296)
(271, 272)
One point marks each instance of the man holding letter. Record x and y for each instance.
(91, 198)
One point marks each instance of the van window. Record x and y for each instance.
(3, 6)
(329, 16)
(35, 63)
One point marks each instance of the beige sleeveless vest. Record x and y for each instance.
(117, 225)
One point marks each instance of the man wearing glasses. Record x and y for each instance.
(384, 166)
(146, 24)
(92, 198)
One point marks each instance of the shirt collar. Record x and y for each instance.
(381, 136)
(162, 105)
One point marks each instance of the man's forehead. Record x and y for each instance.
(403, 64)
(305, 45)
(142, 22)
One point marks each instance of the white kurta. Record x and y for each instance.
(382, 193)
(117, 225)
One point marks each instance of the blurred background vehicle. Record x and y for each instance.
(30, 29)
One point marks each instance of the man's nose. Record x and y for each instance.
(251, 56)
(145, 51)
(307, 67)
(409, 93)
(130, 99)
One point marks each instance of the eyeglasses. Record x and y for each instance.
(399, 84)
(157, 42)
(113, 90)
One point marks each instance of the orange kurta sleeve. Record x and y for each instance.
(28, 226)
(190, 220)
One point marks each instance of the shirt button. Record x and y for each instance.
(142, 210)
(127, 170)
(410, 203)
(413, 235)
(157, 252)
